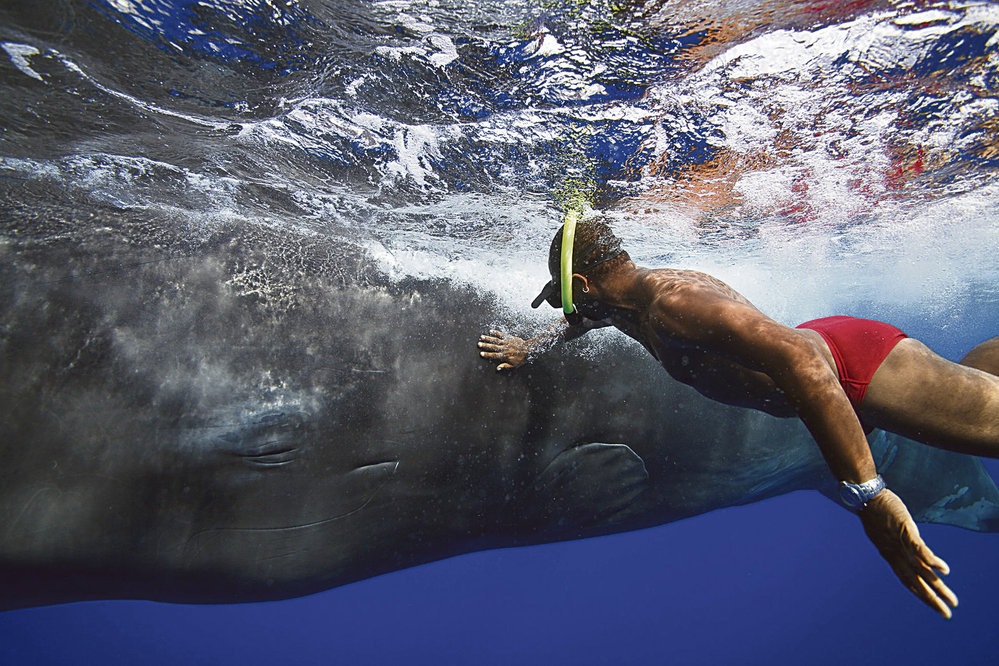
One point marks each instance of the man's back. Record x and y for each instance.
(658, 323)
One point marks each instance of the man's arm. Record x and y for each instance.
(513, 352)
(718, 324)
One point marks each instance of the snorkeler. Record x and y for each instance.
(839, 375)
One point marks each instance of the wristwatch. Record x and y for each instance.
(856, 496)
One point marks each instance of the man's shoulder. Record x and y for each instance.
(678, 284)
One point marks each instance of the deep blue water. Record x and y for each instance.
(818, 158)
(788, 579)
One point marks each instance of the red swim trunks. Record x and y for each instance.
(858, 346)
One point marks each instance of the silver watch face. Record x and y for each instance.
(850, 495)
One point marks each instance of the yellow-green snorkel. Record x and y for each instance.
(568, 235)
(599, 250)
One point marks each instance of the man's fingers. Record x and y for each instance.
(944, 593)
(918, 550)
(498, 347)
(928, 575)
(925, 584)
(926, 566)
(931, 599)
(922, 590)
(891, 528)
(931, 594)
(495, 344)
(928, 558)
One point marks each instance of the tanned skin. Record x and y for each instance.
(707, 335)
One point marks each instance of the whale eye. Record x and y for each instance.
(264, 441)
(272, 454)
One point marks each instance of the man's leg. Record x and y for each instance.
(984, 357)
(925, 397)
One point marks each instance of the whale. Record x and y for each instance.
(222, 411)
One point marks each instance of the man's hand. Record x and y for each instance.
(510, 350)
(890, 527)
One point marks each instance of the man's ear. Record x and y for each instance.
(583, 282)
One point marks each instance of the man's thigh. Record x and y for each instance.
(920, 395)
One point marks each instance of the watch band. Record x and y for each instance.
(856, 495)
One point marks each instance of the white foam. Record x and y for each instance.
(446, 53)
(546, 44)
(414, 146)
(397, 52)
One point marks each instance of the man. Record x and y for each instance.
(838, 375)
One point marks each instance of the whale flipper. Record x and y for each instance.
(938, 486)
(588, 485)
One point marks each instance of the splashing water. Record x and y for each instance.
(812, 156)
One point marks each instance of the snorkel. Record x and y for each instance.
(568, 236)
(599, 247)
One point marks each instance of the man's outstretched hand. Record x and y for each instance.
(509, 350)
(890, 527)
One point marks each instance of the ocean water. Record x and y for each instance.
(820, 157)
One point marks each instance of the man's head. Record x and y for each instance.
(595, 250)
